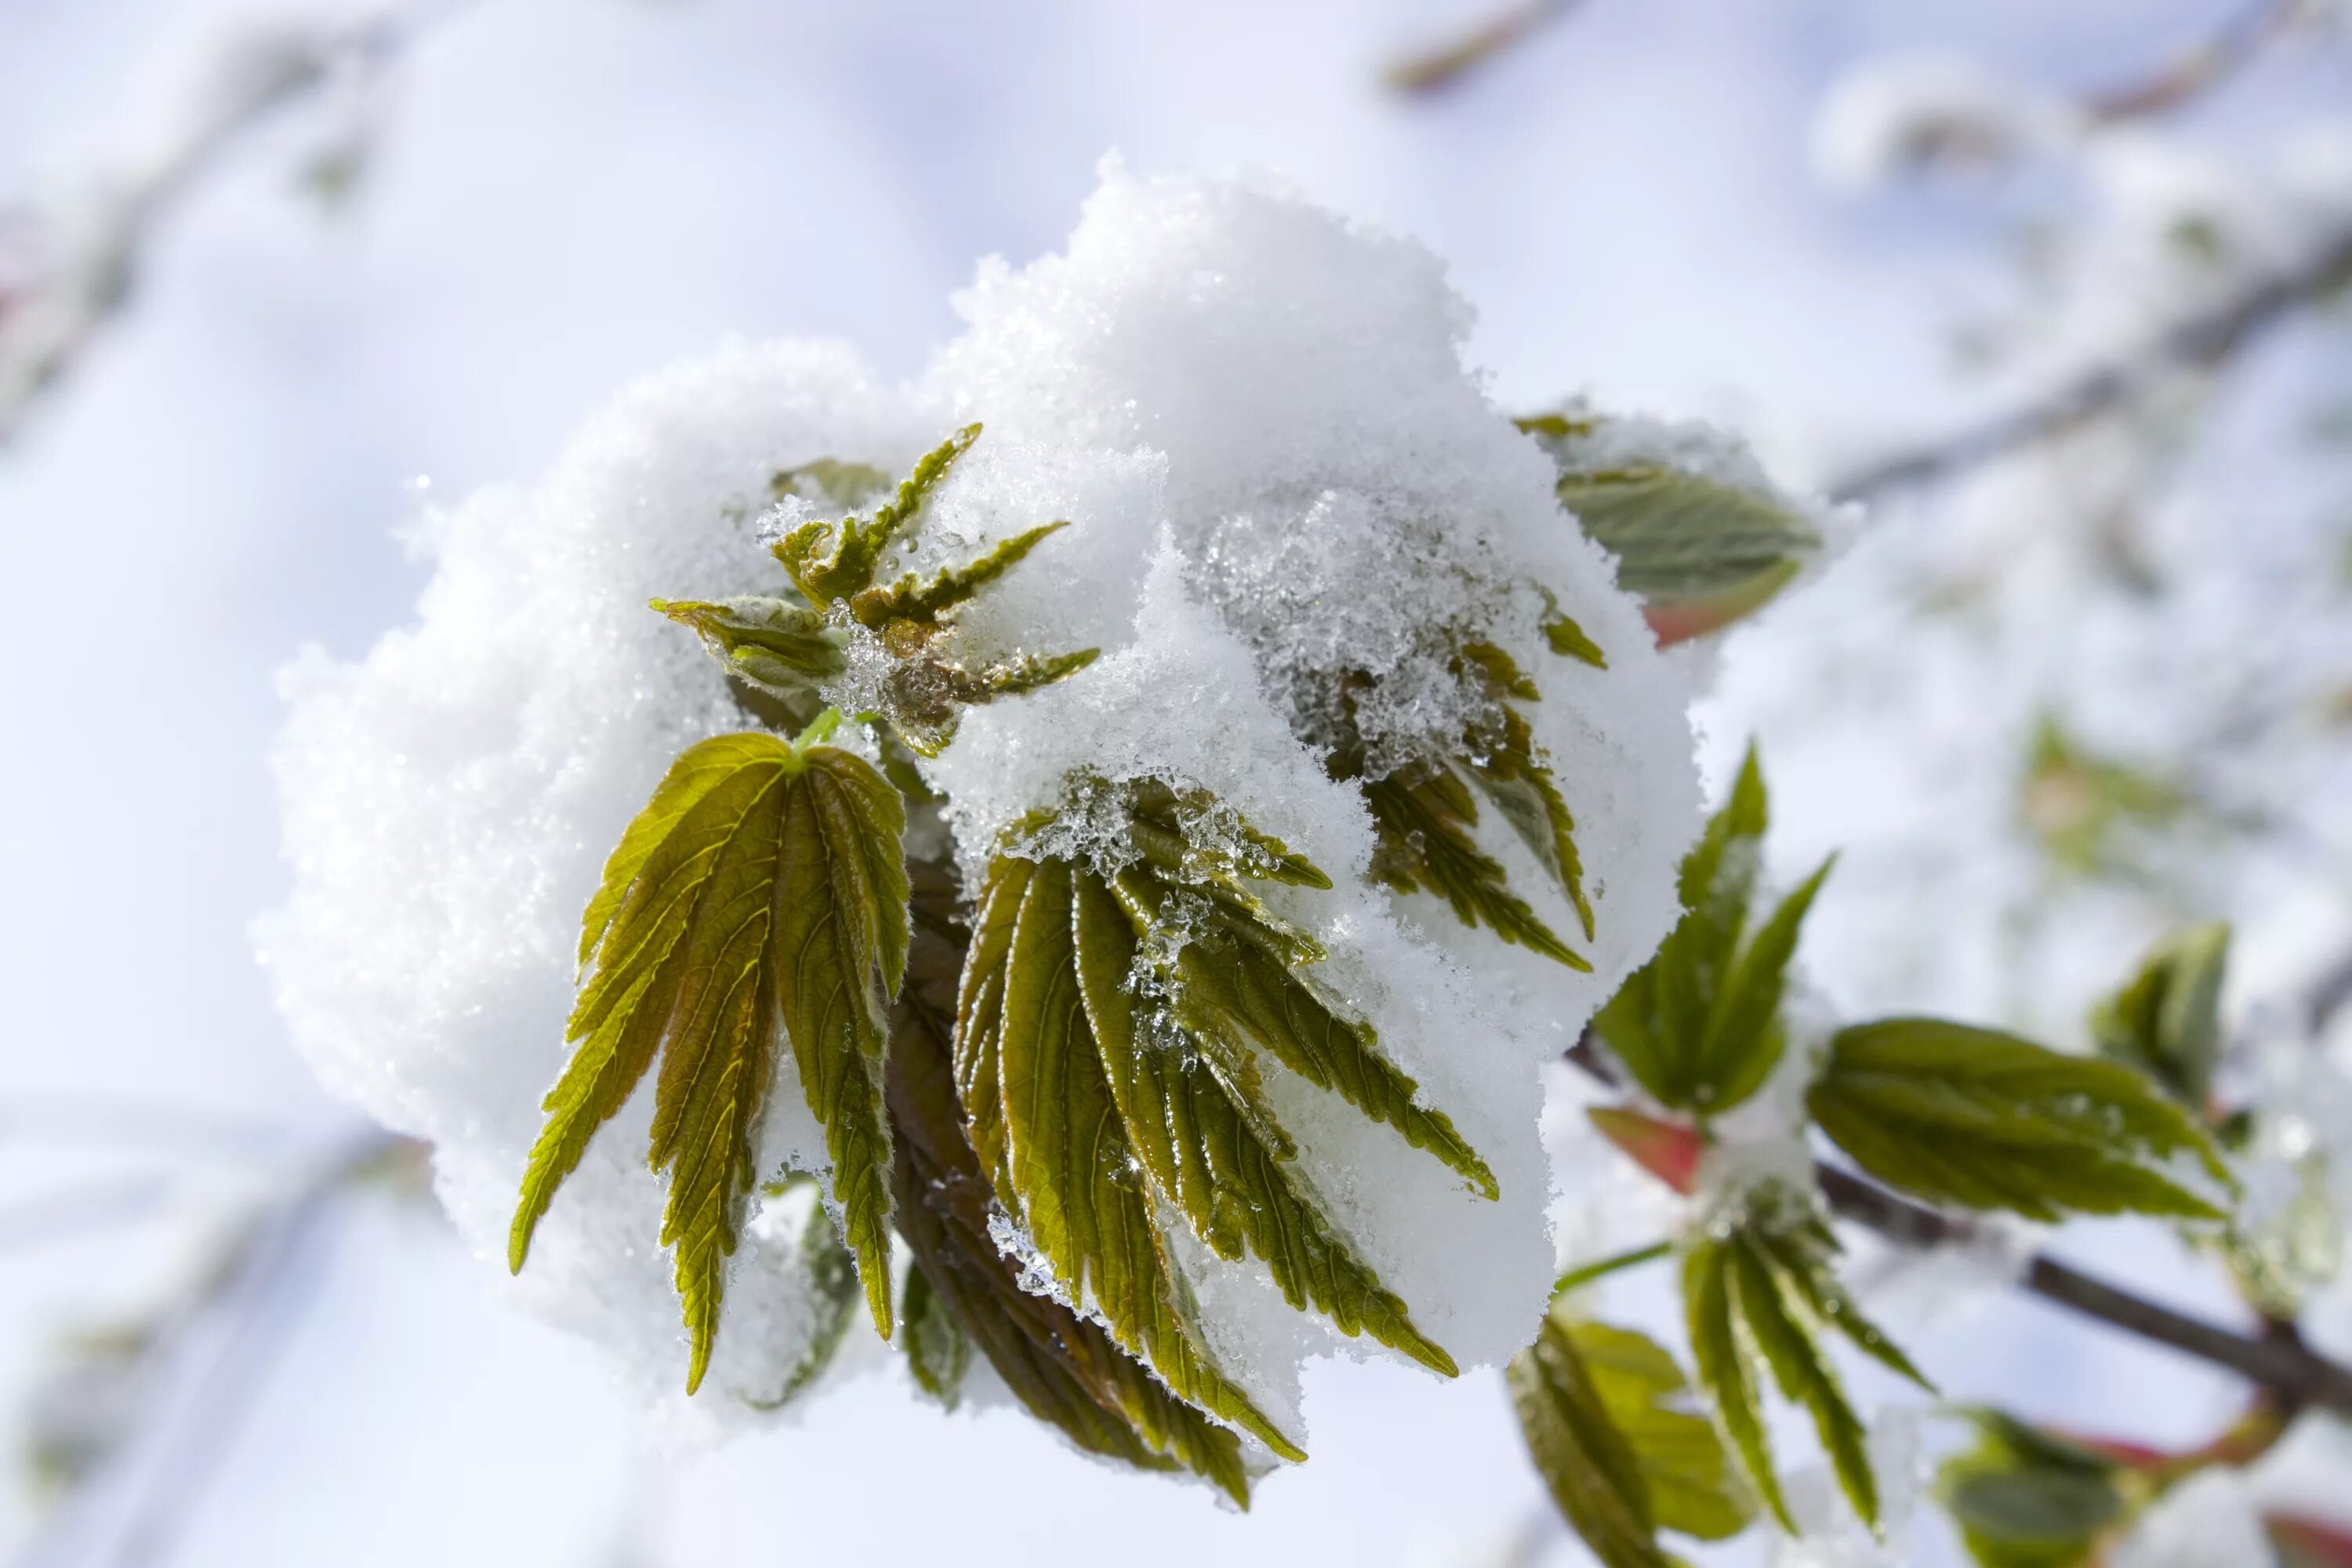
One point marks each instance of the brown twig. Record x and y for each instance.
(2199, 69)
(1433, 69)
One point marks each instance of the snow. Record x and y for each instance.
(1895, 115)
(1276, 468)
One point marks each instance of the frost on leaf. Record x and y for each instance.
(1699, 1024)
(761, 889)
(789, 651)
(1425, 811)
(1107, 1047)
(1759, 1294)
(1982, 1120)
(1605, 1414)
(1700, 536)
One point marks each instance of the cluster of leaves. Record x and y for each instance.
(1033, 1096)
(1699, 553)
(1945, 1114)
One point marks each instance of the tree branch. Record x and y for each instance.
(2205, 340)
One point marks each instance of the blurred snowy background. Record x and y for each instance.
(462, 227)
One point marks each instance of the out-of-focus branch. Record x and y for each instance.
(2203, 340)
(2197, 70)
(1435, 69)
(68, 264)
(2280, 1363)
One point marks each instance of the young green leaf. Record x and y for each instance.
(1763, 1291)
(762, 887)
(2023, 1498)
(938, 1353)
(781, 649)
(1064, 1368)
(2167, 1021)
(830, 561)
(1985, 1121)
(1699, 1025)
(1587, 1461)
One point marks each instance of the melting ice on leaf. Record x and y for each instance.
(1699, 1025)
(1700, 547)
(1107, 1047)
(1604, 1412)
(762, 889)
(902, 627)
(1759, 1294)
(1982, 1120)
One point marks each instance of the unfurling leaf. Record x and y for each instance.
(1761, 1293)
(1106, 1044)
(1426, 816)
(1064, 1368)
(2167, 1021)
(2024, 1499)
(762, 888)
(1699, 1025)
(1603, 1411)
(1982, 1120)
(786, 651)
(1699, 551)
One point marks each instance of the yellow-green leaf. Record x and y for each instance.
(2023, 1498)
(762, 887)
(778, 648)
(1587, 1462)
(1691, 1488)
(833, 561)
(1983, 1120)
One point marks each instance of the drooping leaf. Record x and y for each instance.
(1762, 1291)
(1693, 1489)
(1699, 551)
(761, 889)
(1985, 1121)
(2025, 1498)
(1699, 1025)
(1108, 1113)
(1585, 1459)
(2167, 1021)
(1064, 1368)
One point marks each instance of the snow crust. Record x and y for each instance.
(1276, 466)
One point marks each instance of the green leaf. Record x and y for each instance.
(2023, 1498)
(762, 887)
(1691, 1488)
(1106, 1118)
(1425, 818)
(1064, 1368)
(1586, 1460)
(1699, 553)
(1985, 1121)
(830, 480)
(1763, 1291)
(925, 601)
(1699, 1025)
(2167, 1021)
(2091, 812)
(938, 1352)
(830, 561)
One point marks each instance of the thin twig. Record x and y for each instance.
(2238, 43)
(1433, 70)
(2206, 339)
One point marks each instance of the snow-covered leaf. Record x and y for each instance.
(1983, 1120)
(762, 887)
